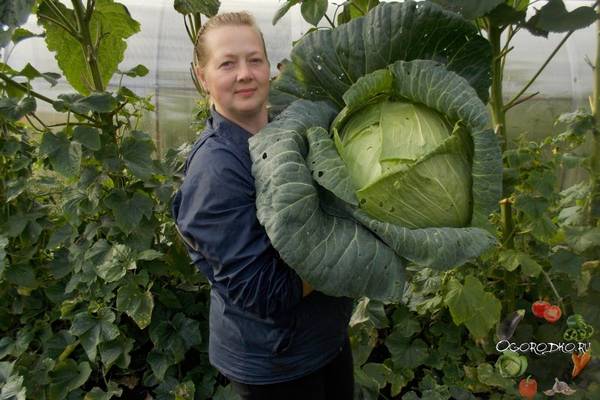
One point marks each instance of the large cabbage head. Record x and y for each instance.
(382, 154)
(392, 153)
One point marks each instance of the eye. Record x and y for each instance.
(226, 64)
(256, 60)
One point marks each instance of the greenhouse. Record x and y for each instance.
(431, 166)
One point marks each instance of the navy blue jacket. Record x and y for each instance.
(262, 330)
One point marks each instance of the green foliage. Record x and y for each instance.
(104, 301)
(206, 7)
(13, 109)
(12, 15)
(470, 9)
(551, 17)
(554, 17)
(313, 10)
(561, 267)
(110, 24)
(354, 9)
(470, 305)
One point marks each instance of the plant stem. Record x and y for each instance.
(330, 21)
(25, 89)
(496, 101)
(58, 23)
(90, 51)
(508, 227)
(87, 44)
(64, 22)
(524, 99)
(508, 242)
(188, 28)
(558, 298)
(512, 102)
(35, 94)
(68, 350)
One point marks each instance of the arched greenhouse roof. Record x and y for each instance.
(164, 48)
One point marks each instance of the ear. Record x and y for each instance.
(201, 77)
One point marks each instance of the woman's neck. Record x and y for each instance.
(252, 124)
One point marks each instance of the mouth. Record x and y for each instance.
(245, 92)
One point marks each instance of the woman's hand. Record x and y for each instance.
(306, 289)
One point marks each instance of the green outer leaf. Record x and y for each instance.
(355, 261)
(175, 337)
(281, 11)
(115, 263)
(554, 17)
(326, 62)
(207, 7)
(512, 259)
(159, 363)
(65, 156)
(470, 9)
(354, 9)
(93, 330)
(469, 304)
(98, 394)
(504, 15)
(138, 70)
(31, 73)
(13, 14)
(128, 212)
(109, 18)
(116, 352)
(313, 10)
(66, 377)
(100, 102)
(322, 156)
(565, 262)
(487, 375)
(369, 310)
(21, 34)
(136, 150)
(136, 303)
(582, 239)
(21, 275)
(87, 136)
(406, 353)
(13, 389)
(14, 110)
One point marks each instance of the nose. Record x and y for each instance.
(244, 72)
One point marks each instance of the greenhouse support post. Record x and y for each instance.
(595, 158)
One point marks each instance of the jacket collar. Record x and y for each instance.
(226, 128)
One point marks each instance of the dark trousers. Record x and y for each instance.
(334, 381)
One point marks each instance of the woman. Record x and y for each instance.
(270, 333)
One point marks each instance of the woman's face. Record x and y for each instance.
(236, 73)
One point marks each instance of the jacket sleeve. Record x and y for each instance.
(217, 217)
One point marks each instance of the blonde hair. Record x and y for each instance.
(241, 18)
